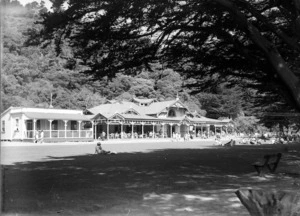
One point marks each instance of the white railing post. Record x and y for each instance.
(153, 129)
(171, 125)
(132, 135)
(66, 125)
(121, 130)
(50, 128)
(208, 130)
(107, 134)
(93, 132)
(143, 123)
(34, 128)
(79, 128)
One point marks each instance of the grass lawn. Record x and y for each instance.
(184, 178)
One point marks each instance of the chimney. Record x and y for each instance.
(51, 106)
(84, 110)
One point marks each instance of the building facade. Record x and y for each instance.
(139, 118)
(148, 118)
(19, 123)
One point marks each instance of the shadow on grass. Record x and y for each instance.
(160, 182)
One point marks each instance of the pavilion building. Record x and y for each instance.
(143, 118)
(21, 123)
(139, 118)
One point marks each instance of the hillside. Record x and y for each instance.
(31, 73)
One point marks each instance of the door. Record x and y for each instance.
(29, 129)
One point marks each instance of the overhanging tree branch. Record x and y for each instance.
(280, 66)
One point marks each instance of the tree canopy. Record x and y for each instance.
(207, 72)
(249, 43)
(30, 74)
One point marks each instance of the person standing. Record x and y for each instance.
(103, 135)
(42, 136)
(36, 136)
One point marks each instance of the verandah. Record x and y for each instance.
(112, 129)
(58, 128)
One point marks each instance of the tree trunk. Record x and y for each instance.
(290, 80)
(270, 203)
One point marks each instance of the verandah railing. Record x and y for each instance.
(61, 134)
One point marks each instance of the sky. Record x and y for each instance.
(47, 2)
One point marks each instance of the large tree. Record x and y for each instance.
(250, 43)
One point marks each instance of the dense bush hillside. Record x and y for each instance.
(32, 73)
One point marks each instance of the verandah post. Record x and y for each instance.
(143, 123)
(34, 128)
(132, 135)
(153, 129)
(121, 130)
(79, 128)
(66, 124)
(50, 128)
(107, 125)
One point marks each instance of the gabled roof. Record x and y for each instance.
(110, 109)
(156, 108)
(153, 108)
(144, 112)
(141, 117)
(203, 119)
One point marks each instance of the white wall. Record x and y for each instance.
(14, 131)
(6, 134)
(17, 129)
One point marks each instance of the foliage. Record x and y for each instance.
(252, 44)
(248, 124)
(31, 74)
(223, 102)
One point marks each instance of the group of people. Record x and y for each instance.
(177, 136)
(39, 136)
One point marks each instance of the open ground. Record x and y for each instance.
(166, 178)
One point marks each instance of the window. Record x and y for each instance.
(87, 125)
(29, 125)
(3, 126)
(73, 125)
(54, 125)
(172, 113)
(132, 112)
(17, 122)
(38, 124)
(190, 115)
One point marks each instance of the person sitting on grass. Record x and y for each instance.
(230, 143)
(100, 150)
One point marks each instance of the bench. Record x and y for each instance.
(270, 161)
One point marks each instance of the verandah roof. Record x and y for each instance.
(57, 116)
